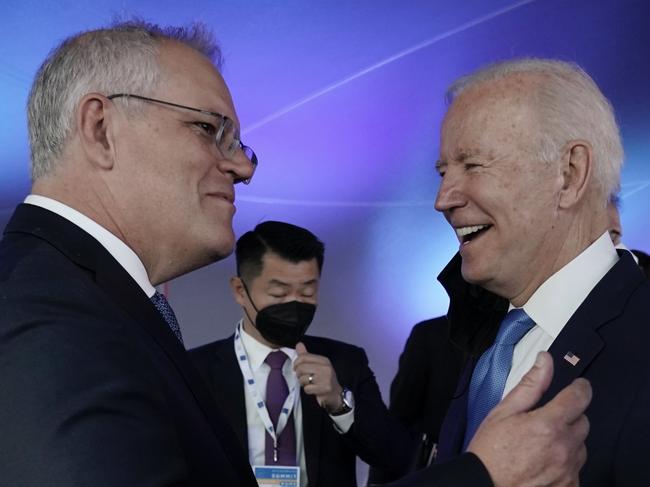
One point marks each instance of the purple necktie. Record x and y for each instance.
(276, 393)
(162, 305)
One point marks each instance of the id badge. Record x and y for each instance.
(277, 476)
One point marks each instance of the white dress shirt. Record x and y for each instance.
(257, 353)
(121, 252)
(554, 302)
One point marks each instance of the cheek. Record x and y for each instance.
(263, 300)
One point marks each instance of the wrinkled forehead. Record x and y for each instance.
(493, 112)
(192, 79)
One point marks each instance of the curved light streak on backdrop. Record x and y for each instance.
(343, 101)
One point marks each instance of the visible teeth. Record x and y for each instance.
(463, 231)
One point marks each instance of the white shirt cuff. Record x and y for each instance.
(343, 422)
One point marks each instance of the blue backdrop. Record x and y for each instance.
(342, 100)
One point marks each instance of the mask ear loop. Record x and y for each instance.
(251, 301)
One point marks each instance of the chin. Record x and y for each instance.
(223, 247)
(217, 239)
(473, 274)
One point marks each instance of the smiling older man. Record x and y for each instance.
(530, 156)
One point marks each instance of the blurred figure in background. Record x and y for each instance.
(616, 233)
(422, 389)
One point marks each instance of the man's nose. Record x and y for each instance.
(450, 194)
(239, 167)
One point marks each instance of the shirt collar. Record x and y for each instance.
(555, 301)
(622, 246)
(121, 252)
(257, 351)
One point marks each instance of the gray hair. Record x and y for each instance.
(570, 107)
(120, 59)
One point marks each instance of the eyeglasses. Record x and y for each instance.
(226, 135)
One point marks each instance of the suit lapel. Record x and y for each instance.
(312, 424)
(577, 341)
(81, 248)
(580, 337)
(229, 388)
(312, 417)
(452, 431)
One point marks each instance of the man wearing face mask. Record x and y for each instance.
(304, 405)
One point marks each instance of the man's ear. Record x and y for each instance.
(577, 167)
(237, 289)
(94, 119)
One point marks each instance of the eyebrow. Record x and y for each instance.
(277, 282)
(464, 154)
(461, 155)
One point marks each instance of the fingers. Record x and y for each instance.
(580, 428)
(317, 377)
(544, 446)
(307, 379)
(528, 392)
(581, 456)
(307, 358)
(571, 402)
(321, 383)
(300, 348)
(309, 375)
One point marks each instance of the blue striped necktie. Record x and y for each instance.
(162, 305)
(491, 371)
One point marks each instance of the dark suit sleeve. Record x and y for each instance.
(423, 387)
(464, 471)
(80, 406)
(376, 436)
(428, 373)
(408, 390)
(408, 394)
(630, 462)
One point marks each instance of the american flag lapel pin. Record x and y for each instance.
(571, 358)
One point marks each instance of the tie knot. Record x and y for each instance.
(162, 305)
(276, 359)
(514, 326)
(159, 299)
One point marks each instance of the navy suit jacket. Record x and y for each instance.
(423, 388)
(96, 389)
(609, 333)
(330, 456)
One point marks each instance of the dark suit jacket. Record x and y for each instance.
(330, 456)
(95, 388)
(610, 333)
(423, 387)
(426, 379)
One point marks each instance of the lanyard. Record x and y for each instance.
(262, 412)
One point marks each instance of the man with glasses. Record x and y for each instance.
(226, 135)
(135, 153)
(132, 186)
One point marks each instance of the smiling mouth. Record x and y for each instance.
(467, 234)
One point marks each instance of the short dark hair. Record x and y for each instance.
(291, 242)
